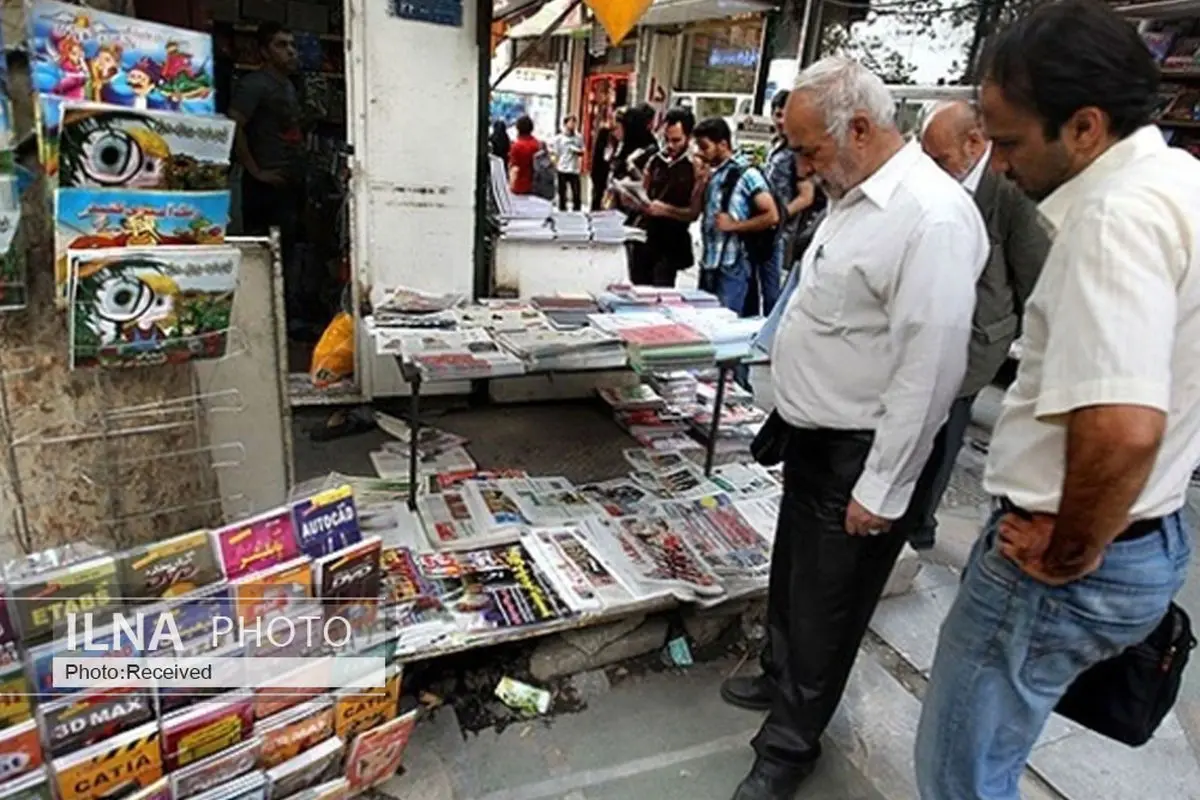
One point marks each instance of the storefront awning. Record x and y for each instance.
(682, 12)
(536, 25)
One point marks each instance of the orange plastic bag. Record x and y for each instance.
(333, 359)
(618, 17)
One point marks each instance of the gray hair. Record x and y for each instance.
(842, 88)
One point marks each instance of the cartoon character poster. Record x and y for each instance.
(88, 219)
(147, 306)
(104, 147)
(83, 54)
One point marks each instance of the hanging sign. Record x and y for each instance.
(437, 12)
(618, 16)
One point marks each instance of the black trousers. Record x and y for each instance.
(568, 180)
(264, 207)
(649, 267)
(825, 585)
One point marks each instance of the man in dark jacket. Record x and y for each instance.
(954, 138)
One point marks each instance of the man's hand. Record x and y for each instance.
(725, 223)
(860, 522)
(272, 177)
(1025, 541)
(658, 208)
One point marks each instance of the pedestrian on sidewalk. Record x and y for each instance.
(869, 354)
(521, 156)
(953, 137)
(568, 155)
(675, 186)
(1090, 461)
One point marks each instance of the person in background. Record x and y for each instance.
(568, 153)
(605, 145)
(1091, 458)
(520, 157)
(867, 359)
(637, 147)
(269, 145)
(953, 137)
(675, 187)
(500, 143)
(737, 201)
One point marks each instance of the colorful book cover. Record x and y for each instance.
(84, 719)
(206, 729)
(83, 54)
(256, 544)
(298, 686)
(41, 603)
(168, 569)
(91, 219)
(10, 653)
(217, 770)
(348, 582)
(227, 673)
(248, 787)
(305, 770)
(327, 522)
(16, 695)
(116, 767)
(192, 615)
(34, 786)
(20, 751)
(290, 733)
(357, 710)
(145, 306)
(376, 755)
(104, 147)
(159, 790)
(275, 591)
(106, 642)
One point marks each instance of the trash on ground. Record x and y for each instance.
(522, 697)
(679, 653)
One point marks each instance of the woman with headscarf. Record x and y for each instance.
(500, 143)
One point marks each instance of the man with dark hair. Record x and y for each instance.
(737, 207)
(568, 153)
(1091, 458)
(674, 186)
(520, 157)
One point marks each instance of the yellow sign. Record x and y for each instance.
(618, 16)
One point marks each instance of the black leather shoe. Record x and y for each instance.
(770, 781)
(752, 694)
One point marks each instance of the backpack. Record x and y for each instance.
(545, 176)
(760, 245)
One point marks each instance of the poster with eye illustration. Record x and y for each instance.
(107, 147)
(83, 54)
(87, 219)
(136, 306)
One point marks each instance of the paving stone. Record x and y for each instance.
(903, 574)
(558, 656)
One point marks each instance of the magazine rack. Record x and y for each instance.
(412, 376)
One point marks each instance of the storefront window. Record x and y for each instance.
(723, 58)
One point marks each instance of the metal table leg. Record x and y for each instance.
(715, 427)
(414, 430)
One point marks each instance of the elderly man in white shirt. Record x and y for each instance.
(867, 359)
(1092, 455)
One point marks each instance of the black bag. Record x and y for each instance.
(770, 443)
(1126, 697)
(760, 245)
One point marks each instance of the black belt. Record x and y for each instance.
(1143, 527)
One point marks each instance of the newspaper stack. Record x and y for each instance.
(677, 388)
(501, 316)
(527, 229)
(653, 557)
(450, 355)
(549, 349)
(609, 227)
(727, 542)
(571, 227)
(567, 311)
(631, 398)
(583, 579)
(670, 346)
(730, 335)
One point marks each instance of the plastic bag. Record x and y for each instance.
(333, 359)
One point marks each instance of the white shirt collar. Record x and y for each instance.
(882, 184)
(1141, 143)
(971, 182)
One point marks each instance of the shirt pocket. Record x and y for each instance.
(823, 295)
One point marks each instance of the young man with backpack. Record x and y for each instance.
(740, 216)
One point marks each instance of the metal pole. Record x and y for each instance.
(715, 428)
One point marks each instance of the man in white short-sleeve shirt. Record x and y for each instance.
(1091, 459)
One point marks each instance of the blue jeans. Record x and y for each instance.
(935, 477)
(729, 284)
(1011, 646)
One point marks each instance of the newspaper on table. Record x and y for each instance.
(629, 398)
(391, 461)
(582, 348)
(715, 528)
(655, 556)
(645, 460)
(449, 524)
(429, 438)
(507, 320)
(762, 514)
(585, 582)
(449, 354)
(405, 300)
(745, 481)
(548, 501)
(681, 482)
(619, 497)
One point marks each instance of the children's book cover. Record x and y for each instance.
(348, 582)
(117, 767)
(256, 544)
(92, 716)
(149, 306)
(16, 695)
(168, 569)
(83, 54)
(357, 710)
(20, 751)
(269, 593)
(205, 730)
(103, 147)
(34, 786)
(327, 522)
(41, 604)
(376, 755)
(216, 771)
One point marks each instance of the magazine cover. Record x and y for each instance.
(722, 536)
(275, 591)
(305, 770)
(287, 691)
(10, 653)
(256, 544)
(34, 786)
(357, 710)
(167, 569)
(82, 54)
(192, 615)
(585, 580)
(92, 716)
(41, 603)
(375, 756)
(288, 734)
(326, 522)
(91, 219)
(119, 766)
(248, 787)
(619, 497)
(660, 555)
(206, 729)
(226, 674)
(502, 587)
(215, 771)
(348, 583)
(133, 307)
(16, 695)
(401, 578)
(106, 642)
(20, 751)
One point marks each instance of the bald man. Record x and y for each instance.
(954, 138)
